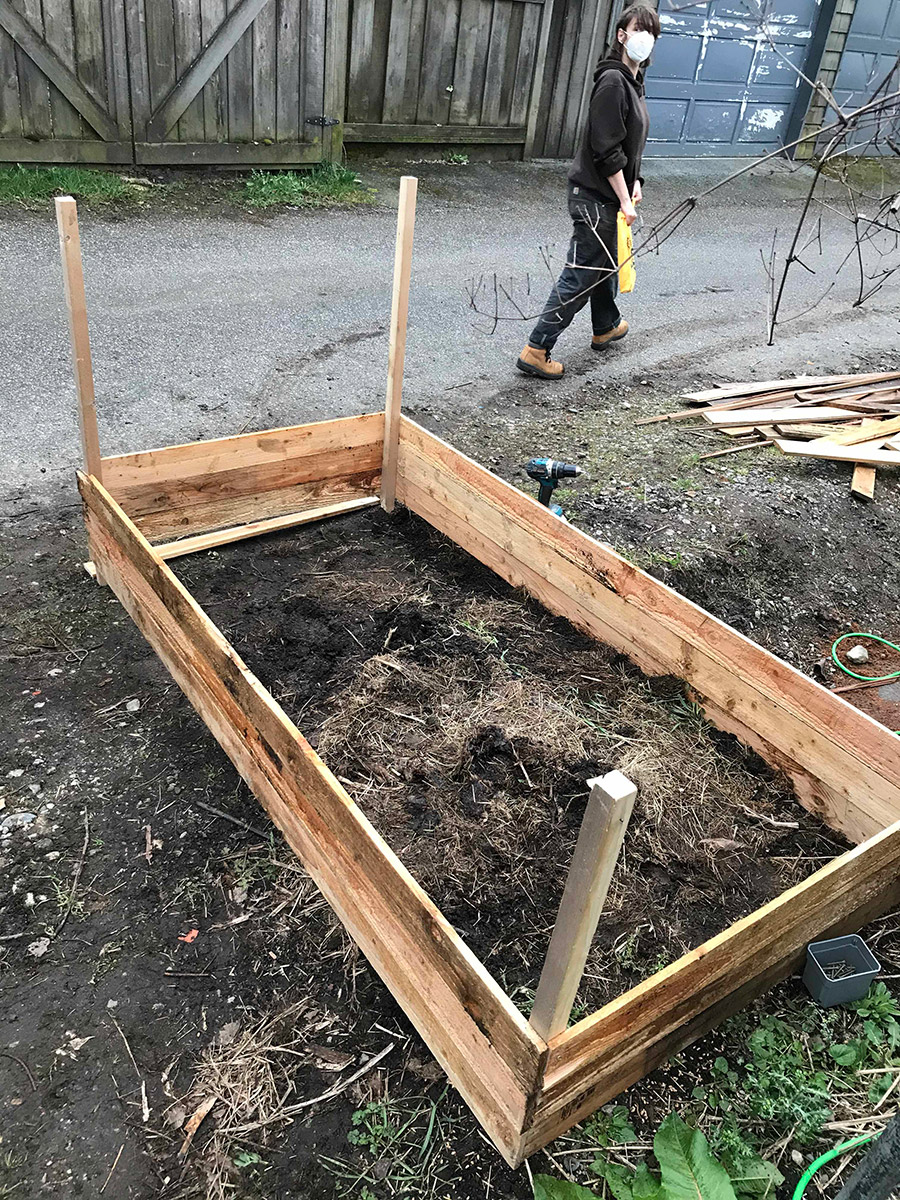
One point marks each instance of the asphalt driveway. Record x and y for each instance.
(209, 323)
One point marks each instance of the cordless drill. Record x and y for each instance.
(547, 472)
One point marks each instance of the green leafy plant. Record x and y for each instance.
(34, 186)
(456, 158)
(327, 183)
(688, 1170)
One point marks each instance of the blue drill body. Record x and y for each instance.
(547, 473)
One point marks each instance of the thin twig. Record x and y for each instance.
(75, 881)
(112, 1168)
(23, 1065)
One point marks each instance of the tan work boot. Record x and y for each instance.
(601, 340)
(539, 362)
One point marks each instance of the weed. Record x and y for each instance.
(33, 186)
(480, 631)
(323, 185)
(455, 158)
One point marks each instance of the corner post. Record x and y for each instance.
(596, 853)
(406, 219)
(76, 304)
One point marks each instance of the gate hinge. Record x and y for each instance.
(324, 121)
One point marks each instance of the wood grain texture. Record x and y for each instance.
(44, 65)
(785, 715)
(242, 450)
(596, 853)
(406, 222)
(241, 533)
(606, 1052)
(476, 1033)
(76, 308)
(823, 450)
(202, 486)
(862, 485)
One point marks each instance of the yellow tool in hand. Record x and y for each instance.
(627, 273)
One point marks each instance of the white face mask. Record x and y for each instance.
(639, 45)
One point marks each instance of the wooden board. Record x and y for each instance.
(861, 454)
(862, 485)
(201, 486)
(845, 766)
(476, 1033)
(799, 381)
(866, 433)
(777, 416)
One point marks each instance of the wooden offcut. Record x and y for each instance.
(76, 307)
(526, 1082)
(587, 883)
(406, 220)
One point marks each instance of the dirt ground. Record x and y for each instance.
(118, 1019)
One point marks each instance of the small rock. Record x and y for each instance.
(858, 654)
(133, 706)
(19, 820)
(39, 948)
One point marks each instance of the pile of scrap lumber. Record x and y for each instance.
(845, 418)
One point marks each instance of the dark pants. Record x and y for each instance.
(594, 245)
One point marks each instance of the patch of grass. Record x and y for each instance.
(323, 185)
(34, 186)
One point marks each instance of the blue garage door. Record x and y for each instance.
(873, 44)
(717, 85)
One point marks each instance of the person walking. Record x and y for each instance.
(604, 179)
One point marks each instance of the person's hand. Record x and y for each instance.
(628, 212)
(637, 195)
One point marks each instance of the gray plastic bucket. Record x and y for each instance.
(850, 949)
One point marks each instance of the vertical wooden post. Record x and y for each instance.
(406, 219)
(73, 278)
(337, 33)
(596, 853)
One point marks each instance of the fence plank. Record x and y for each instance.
(525, 63)
(10, 110)
(562, 74)
(240, 69)
(191, 125)
(116, 59)
(138, 67)
(159, 23)
(26, 31)
(496, 62)
(89, 55)
(404, 61)
(287, 59)
(264, 36)
(313, 51)
(441, 30)
(471, 60)
(59, 33)
(337, 41)
(215, 91)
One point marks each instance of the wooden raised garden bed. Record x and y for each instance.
(525, 1082)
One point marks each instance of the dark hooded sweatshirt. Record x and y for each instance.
(615, 131)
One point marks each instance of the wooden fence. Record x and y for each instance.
(264, 81)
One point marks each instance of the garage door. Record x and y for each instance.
(873, 45)
(717, 85)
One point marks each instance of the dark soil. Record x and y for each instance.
(465, 721)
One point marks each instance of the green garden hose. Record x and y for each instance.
(873, 637)
(843, 1148)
